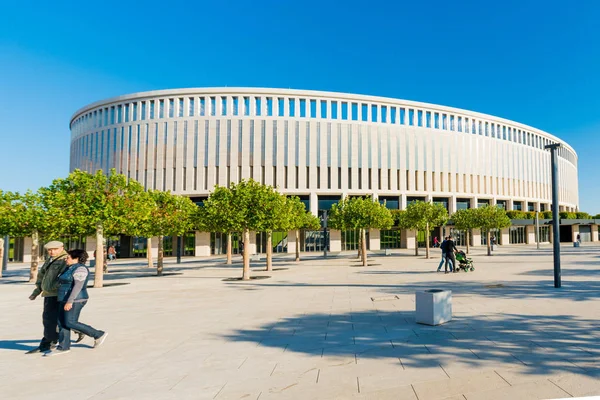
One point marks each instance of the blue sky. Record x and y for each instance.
(536, 62)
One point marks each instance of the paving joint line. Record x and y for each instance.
(550, 380)
(502, 378)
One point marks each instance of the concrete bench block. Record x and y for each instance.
(433, 307)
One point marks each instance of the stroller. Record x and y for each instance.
(464, 263)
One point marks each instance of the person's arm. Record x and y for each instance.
(78, 281)
(38, 283)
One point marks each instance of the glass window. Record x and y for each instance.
(100, 117)
(444, 121)
(459, 124)
(223, 105)
(313, 108)
(269, 106)
(235, 104)
(354, 111)
(246, 105)
(403, 116)
(258, 104)
(171, 108)
(303, 108)
(393, 115)
(281, 107)
(151, 116)
(213, 106)
(202, 109)
(191, 105)
(161, 108)
(364, 108)
(451, 122)
(373, 113)
(323, 108)
(135, 111)
(344, 110)
(143, 116)
(383, 114)
(126, 112)
(112, 115)
(420, 118)
(436, 120)
(334, 110)
(292, 106)
(119, 114)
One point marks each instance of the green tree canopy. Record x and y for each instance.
(465, 220)
(423, 216)
(491, 217)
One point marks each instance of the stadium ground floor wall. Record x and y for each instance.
(204, 244)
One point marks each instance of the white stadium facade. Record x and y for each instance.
(322, 146)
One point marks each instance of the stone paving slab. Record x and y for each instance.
(313, 331)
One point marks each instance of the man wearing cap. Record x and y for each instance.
(47, 285)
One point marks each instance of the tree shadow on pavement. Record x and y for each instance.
(537, 344)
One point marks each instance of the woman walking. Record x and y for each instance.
(72, 297)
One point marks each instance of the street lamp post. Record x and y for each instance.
(324, 220)
(555, 221)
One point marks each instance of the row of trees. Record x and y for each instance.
(86, 204)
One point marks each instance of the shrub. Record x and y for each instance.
(582, 215)
(515, 214)
(547, 214)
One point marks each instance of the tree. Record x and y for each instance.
(360, 213)
(300, 218)
(489, 217)
(169, 215)
(277, 213)
(465, 220)
(83, 204)
(423, 216)
(219, 215)
(249, 204)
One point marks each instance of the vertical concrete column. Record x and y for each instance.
(90, 246)
(594, 233)
(154, 246)
(509, 205)
(505, 236)
(27, 242)
(476, 237)
(314, 203)
(335, 240)
(402, 199)
(252, 247)
(202, 244)
(291, 242)
(409, 239)
(550, 233)
(452, 205)
(574, 232)
(474, 202)
(374, 239)
(530, 234)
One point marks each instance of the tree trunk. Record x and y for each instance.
(427, 241)
(489, 247)
(416, 243)
(297, 245)
(229, 248)
(99, 267)
(1, 256)
(161, 255)
(149, 252)
(359, 256)
(468, 239)
(35, 258)
(246, 269)
(269, 251)
(363, 246)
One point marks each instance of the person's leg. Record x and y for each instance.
(74, 324)
(64, 335)
(451, 261)
(441, 262)
(50, 321)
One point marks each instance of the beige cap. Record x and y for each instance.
(55, 244)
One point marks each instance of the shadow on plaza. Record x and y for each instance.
(535, 343)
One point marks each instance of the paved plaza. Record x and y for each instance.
(320, 329)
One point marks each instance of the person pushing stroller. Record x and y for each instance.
(448, 248)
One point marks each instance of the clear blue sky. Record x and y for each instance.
(536, 62)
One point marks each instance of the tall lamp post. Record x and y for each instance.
(555, 221)
(324, 221)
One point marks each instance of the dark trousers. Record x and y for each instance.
(69, 320)
(50, 321)
(450, 258)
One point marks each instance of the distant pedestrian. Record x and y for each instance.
(72, 297)
(436, 242)
(578, 238)
(112, 253)
(444, 248)
(450, 250)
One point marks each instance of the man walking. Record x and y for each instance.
(450, 250)
(47, 285)
(444, 248)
